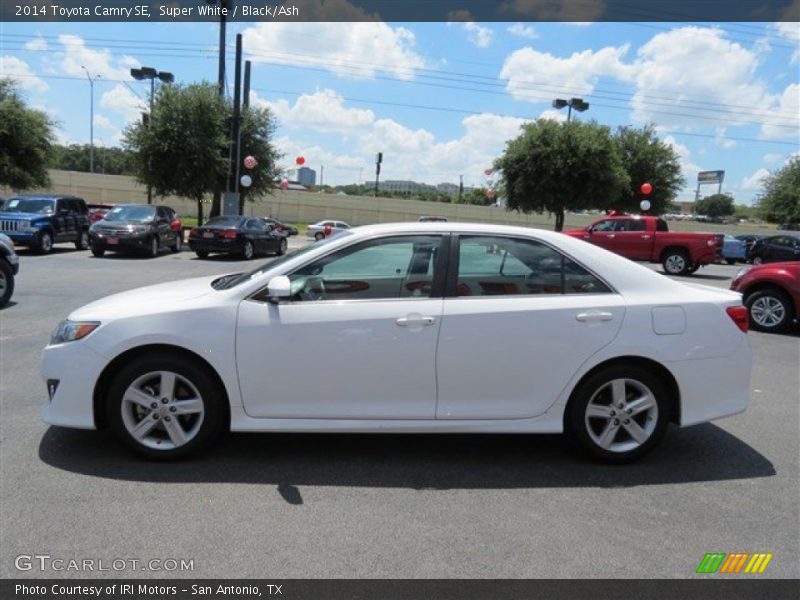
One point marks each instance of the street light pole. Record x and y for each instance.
(576, 103)
(91, 119)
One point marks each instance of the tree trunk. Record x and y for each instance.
(216, 204)
(560, 219)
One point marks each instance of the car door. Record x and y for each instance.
(632, 240)
(259, 233)
(519, 319)
(61, 220)
(603, 233)
(357, 340)
(162, 227)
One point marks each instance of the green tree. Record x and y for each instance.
(75, 157)
(715, 206)
(180, 152)
(780, 200)
(555, 167)
(26, 138)
(647, 160)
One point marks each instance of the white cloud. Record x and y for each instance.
(121, 100)
(103, 121)
(785, 111)
(689, 169)
(358, 50)
(791, 31)
(100, 63)
(771, 159)
(535, 76)
(18, 70)
(36, 44)
(478, 35)
(552, 115)
(523, 31)
(322, 111)
(722, 141)
(755, 181)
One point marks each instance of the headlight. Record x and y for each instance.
(27, 226)
(69, 331)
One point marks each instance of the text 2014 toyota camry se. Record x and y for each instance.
(412, 328)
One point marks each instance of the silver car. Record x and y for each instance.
(320, 230)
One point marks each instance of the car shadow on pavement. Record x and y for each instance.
(707, 276)
(422, 462)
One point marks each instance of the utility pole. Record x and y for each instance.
(223, 4)
(460, 188)
(91, 119)
(378, 161)
(233, 183)
(321, 176)
(246, 93)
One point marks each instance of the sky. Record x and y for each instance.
(440, 100)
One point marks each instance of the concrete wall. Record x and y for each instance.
(298, 207)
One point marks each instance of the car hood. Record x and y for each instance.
(21, 216)
(146, 300)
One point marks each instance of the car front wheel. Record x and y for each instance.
(153, 250)
(6, 282)
(769, 310)
(619, 414)
(165, 407)
(44, 243)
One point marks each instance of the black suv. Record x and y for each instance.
(136, 228)
(41, 221)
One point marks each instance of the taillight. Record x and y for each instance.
(738, 315)
(194, 232)
(176, 225)
(229, 234)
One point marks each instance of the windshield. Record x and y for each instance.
(131, 213)
(227, 282)
(42, 206)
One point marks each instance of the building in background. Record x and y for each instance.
(306, 176)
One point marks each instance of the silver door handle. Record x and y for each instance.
(611, 236)
(645, 237)
(594, 316)
(405, 321)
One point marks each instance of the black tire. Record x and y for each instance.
(730, 261)
(7, 280)
(82, 243)
(248, 251)
(178, 245)
(577, 424)
(98, 252)
(282, 246)
(201, 254)
(44, 243)
(693, 269)
(676, 262)
(757, 260)
(319, 236)
(781, 309)
(152, 251)
(214, 418)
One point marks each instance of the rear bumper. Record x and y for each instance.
(715, 387)
(216, 245)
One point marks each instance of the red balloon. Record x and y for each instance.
(490, 193)
(300, 160)
(284, 184)
(646, 188)
(488, 172)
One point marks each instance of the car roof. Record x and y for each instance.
(48, 197)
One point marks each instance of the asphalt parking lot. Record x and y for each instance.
(287, 506)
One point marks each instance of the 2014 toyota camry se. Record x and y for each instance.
(413, 328)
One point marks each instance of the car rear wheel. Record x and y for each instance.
(676, 262)
(282, 247)
(769, 310)
(82, 243)
(6, 282)
(619, 414)
(319, 236)
(165, 407)
(44, 243)
(247, 251)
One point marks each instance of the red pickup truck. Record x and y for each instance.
(649, 239)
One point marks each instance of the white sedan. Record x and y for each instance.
(407, 328)
(322, 229)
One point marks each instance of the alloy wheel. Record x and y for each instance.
(621, 415)
(162, 410)
(248, 250)
(46, 242)
(768, 312)
(675, 263)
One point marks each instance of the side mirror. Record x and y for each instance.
(279, 287)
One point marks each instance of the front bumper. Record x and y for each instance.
(75, 368)
(23, 238)
(138, 242)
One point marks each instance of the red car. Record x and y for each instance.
(771, 293)
(98, 210)
(649, 239)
